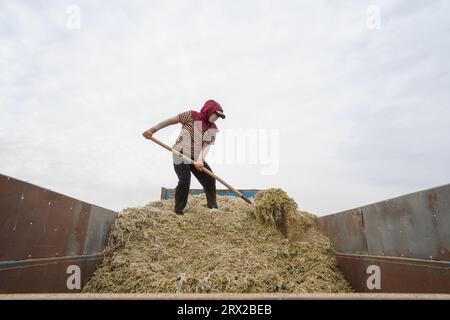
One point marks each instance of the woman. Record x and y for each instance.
(198, 132)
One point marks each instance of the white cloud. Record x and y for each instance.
(362, 113)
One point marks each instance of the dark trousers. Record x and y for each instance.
(183, 171)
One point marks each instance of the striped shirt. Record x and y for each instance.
(191, 138)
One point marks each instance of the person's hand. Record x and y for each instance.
(149, 133)
(199, 165)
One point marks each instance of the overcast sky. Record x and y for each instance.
(348, 100)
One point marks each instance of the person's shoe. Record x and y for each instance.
(213, 210)
(179, 213)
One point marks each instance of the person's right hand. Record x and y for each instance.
(199, 165)
(149, 133)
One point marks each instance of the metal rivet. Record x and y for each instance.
(29, 256)
(31, 222)
(49, 203)
(56, 229)
(22, 197)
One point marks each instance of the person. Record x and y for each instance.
(197, 134)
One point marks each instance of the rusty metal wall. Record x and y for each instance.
(38, 227)
(397, 275)
(414, 226)
(45, 275)
(346, 230)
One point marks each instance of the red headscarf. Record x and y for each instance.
(208, 109)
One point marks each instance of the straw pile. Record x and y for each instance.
(274, 207)
(152, 250)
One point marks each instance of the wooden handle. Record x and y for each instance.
(189, 160)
